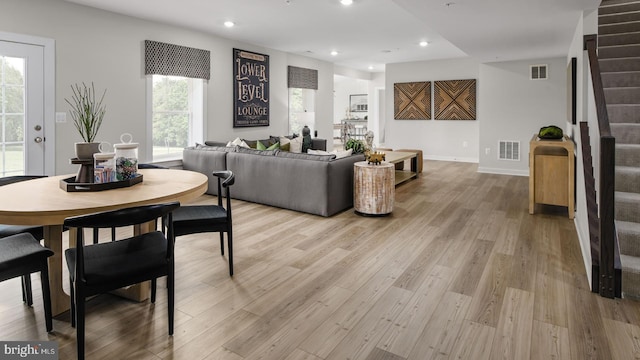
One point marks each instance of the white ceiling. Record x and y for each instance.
(377, 32)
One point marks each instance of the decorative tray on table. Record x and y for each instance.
(70, 184)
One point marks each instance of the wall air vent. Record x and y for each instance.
(538, 72)
(509, 150)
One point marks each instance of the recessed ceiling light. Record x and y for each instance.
(423, 43)
(346, 2)
(229, 24)
(370, 67)
(334, 53)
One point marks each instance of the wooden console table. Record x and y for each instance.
(394, 157)
(374, 188)
(551, 173)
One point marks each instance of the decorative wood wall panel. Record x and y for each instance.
(454, 100)
(412, 101)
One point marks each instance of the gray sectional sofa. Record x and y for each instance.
(315, 184)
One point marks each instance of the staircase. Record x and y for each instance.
(619, 54)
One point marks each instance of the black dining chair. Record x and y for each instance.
(36, 231)
(22, 255)
(103, 267)
(113, 230)
(210, 218)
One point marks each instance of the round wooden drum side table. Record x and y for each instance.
(374, 188)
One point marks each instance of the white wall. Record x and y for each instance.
(438, 139)
(343, 88)
(514, 108)
(106, 48)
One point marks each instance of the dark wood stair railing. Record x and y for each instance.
(609, 255)
(592, 205)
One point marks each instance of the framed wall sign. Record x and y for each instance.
(250, 89)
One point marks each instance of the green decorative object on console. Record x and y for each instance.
(550, 132)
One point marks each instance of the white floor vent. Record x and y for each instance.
(509, 150)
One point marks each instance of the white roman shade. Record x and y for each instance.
(175, 60)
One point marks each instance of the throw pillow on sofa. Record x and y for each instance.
(338, 153)
(237, 142)
(295, 145)
(261, 146)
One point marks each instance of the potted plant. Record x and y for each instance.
(358, 146)
(87, 115)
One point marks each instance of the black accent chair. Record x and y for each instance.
(103, 267)
(113, 230)
(209, 218)
(21, 255)
(35, 230)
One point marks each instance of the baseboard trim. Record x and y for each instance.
(450, 158)
(503, 171)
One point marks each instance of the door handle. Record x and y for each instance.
(38, 139)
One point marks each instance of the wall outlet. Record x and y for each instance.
(465, 144)
(61, 117)
(487, 151)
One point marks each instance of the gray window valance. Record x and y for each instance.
(175, 60)
(302, 78)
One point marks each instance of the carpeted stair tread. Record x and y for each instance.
(613, 8)
(620, 51)
(628, 237)
(624, 113)
(630, 276)
(624, 79)
(627, 155)
(630, 16)
(622, 95)
(619, 18)
(619, 28)
(619, 39)
(627, 206)
(626, 133)
(617, 65)
(627, 179)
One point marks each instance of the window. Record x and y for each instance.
(302, 110)
(177, 115)
(302, 84)
(175, 97)
(12, 114)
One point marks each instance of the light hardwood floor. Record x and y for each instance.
(460, 270)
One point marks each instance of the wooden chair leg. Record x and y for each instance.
(153, 290)
(72, 309)
(46, 297)
(80, 309)
(171, 296)
(27, 290)
(230, 246)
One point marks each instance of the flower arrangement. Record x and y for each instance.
(86, 112)
(358, 146)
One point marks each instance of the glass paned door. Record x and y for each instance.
(21, 109)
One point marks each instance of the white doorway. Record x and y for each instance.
(26, 106)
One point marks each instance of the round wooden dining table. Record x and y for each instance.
(43, 202)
